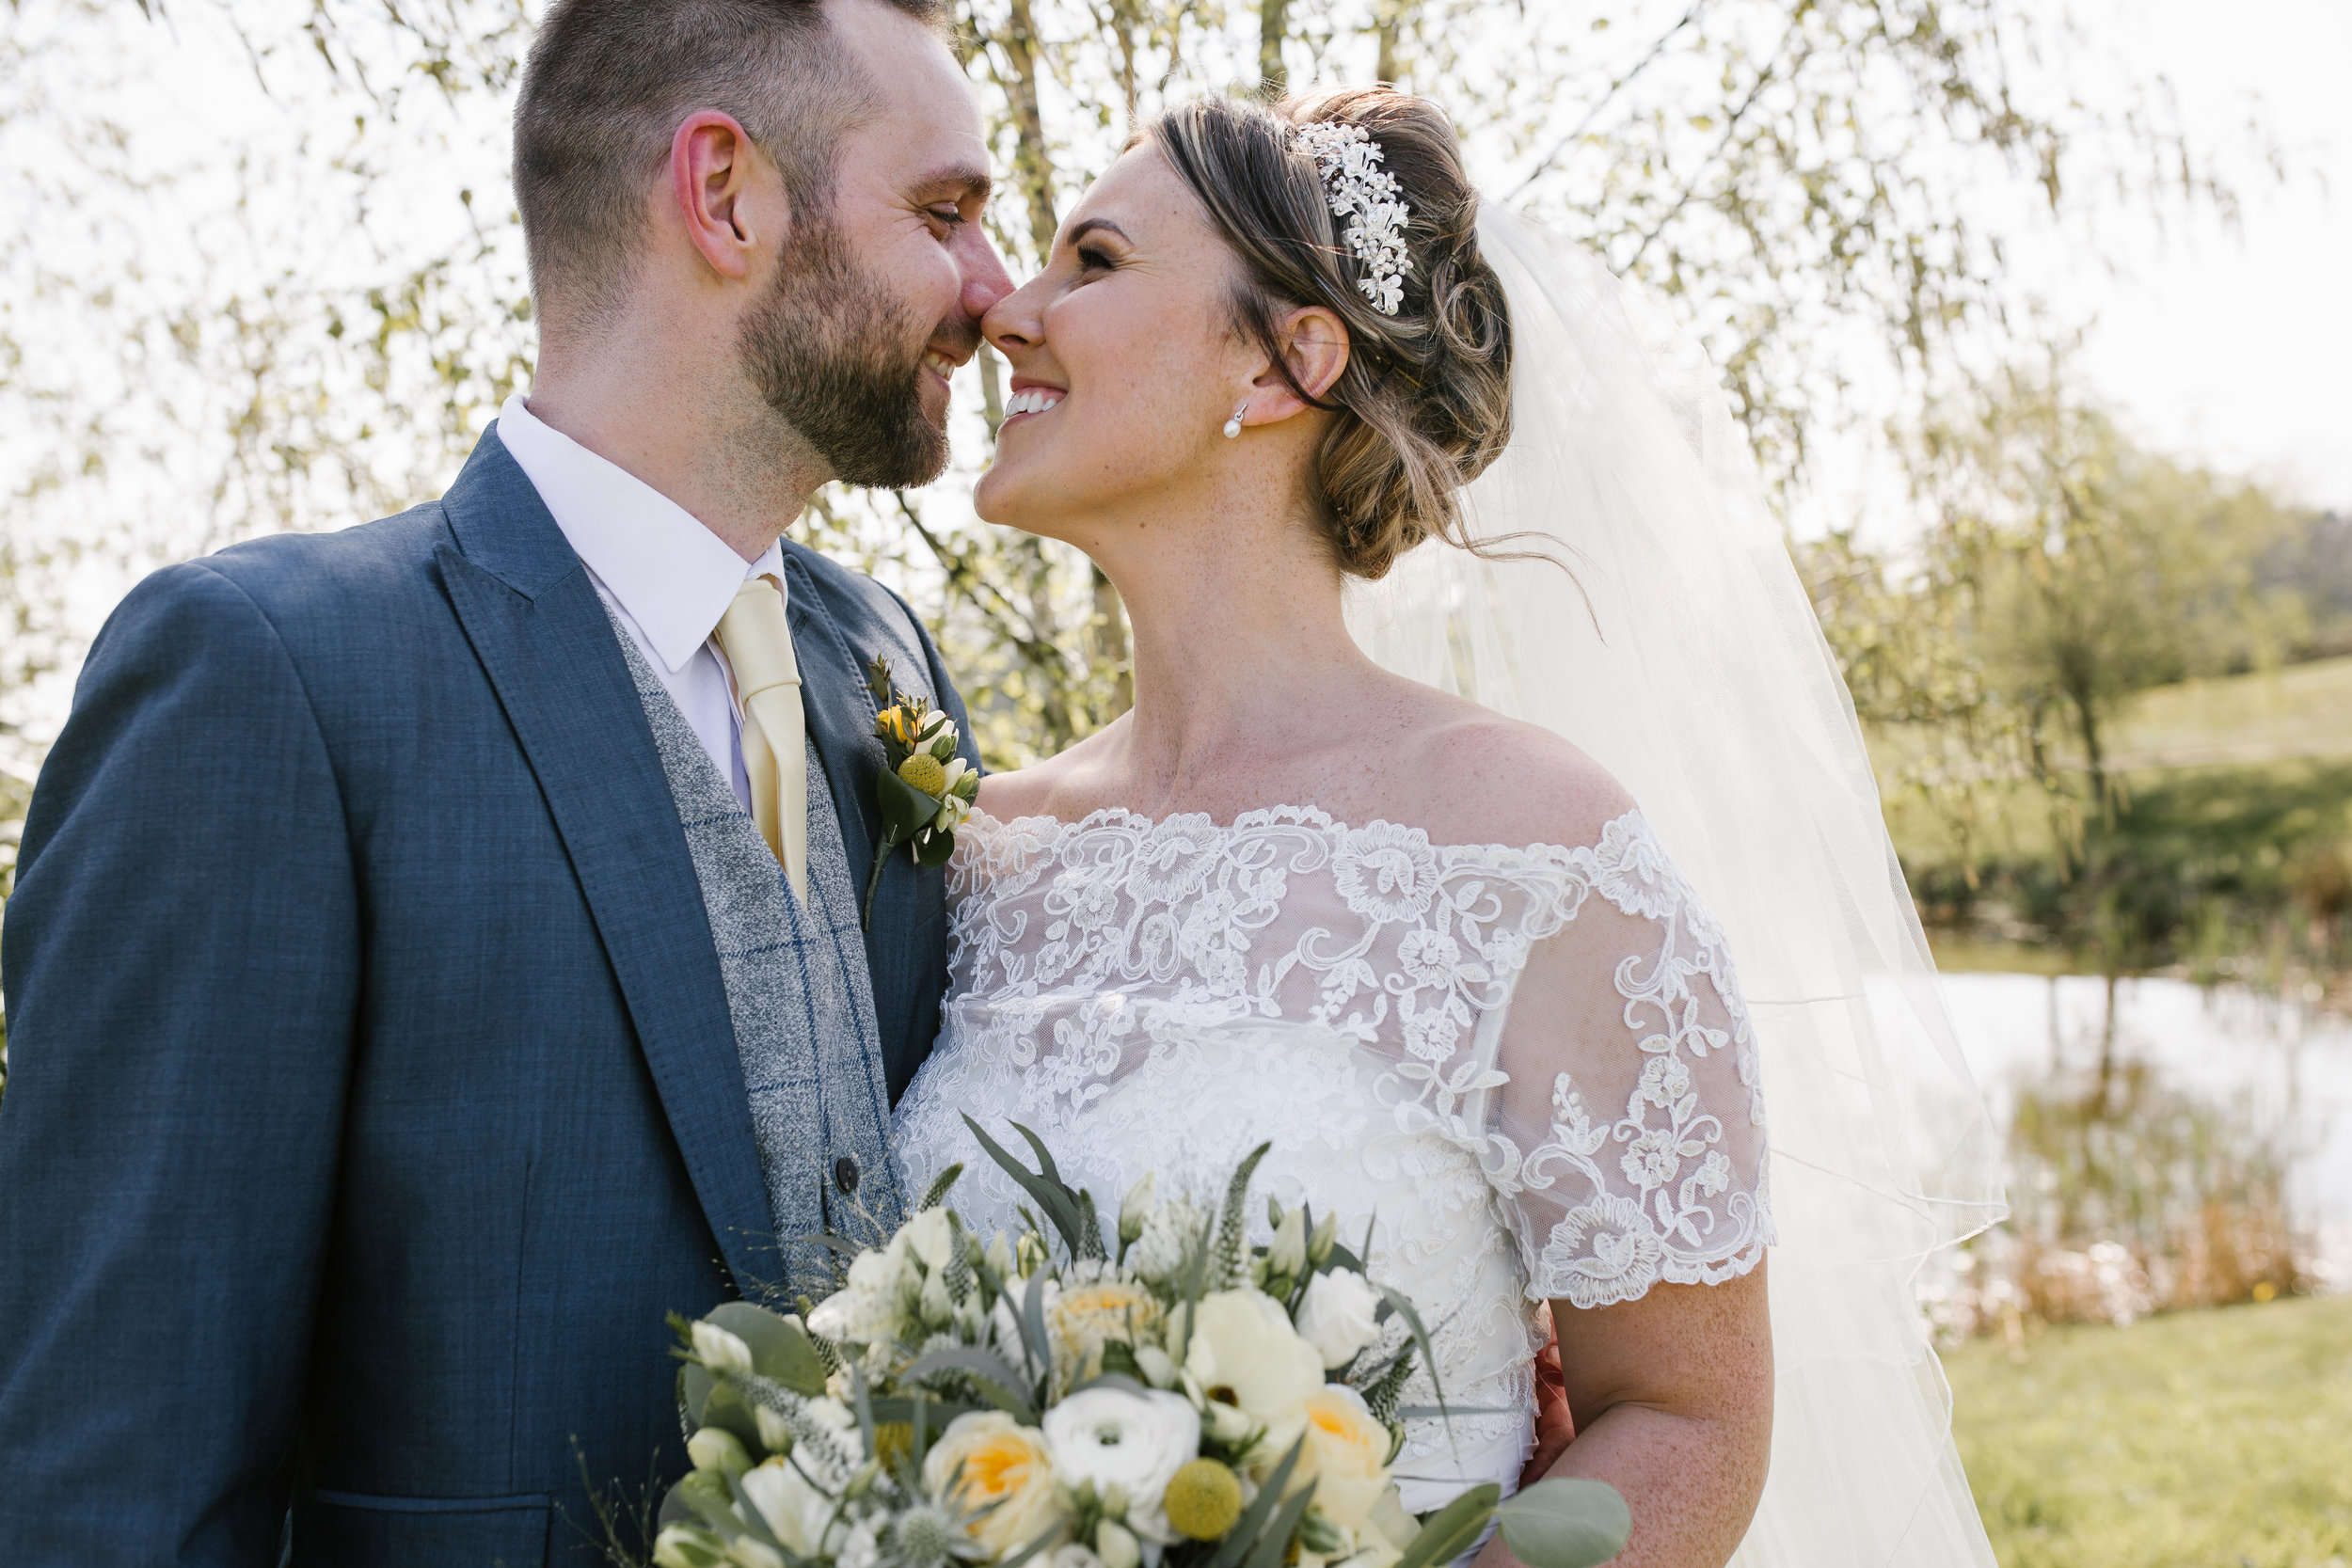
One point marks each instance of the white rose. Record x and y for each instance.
(1346, 1457)
(1134, 1441)
(720, 1350)
(871, 1306)
(1336, 1316)
(796, 1513)
(1243, 1352)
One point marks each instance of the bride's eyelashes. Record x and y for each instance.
(1095, 258)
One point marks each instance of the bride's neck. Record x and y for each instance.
(1235, 623)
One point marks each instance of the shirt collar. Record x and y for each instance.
(671, 575)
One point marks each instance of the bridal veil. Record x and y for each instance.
(1686, 659)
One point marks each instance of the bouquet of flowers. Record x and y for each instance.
(1184, 1400)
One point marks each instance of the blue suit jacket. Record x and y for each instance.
(373, 1094)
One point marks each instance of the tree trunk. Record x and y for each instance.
(1032, 164)
(2087, 715)
(1273, 27)
(1388, 24)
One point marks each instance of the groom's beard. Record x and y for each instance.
(842, 363)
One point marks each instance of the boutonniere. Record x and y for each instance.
(924, 790)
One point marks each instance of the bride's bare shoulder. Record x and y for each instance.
(1481, 778)
(1046, 787)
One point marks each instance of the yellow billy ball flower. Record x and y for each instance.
(1203, 1500)
(924, 772)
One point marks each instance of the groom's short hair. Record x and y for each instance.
(608, 83)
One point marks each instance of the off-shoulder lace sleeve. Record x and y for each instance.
(1631, 1103)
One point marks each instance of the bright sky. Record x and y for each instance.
(2241, 351)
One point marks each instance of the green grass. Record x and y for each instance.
(2303, 710)
(2214, 1439)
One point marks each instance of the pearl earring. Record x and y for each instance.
(1233, 426)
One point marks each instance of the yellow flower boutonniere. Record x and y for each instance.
(924, 790)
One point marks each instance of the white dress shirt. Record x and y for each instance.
(667, 577)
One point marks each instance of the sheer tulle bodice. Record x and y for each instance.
(1527, 1072)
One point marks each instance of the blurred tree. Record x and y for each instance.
(334, 303)
(2093, 569)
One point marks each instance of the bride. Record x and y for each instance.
(1491, 833)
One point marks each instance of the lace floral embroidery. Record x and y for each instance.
(1085, 952)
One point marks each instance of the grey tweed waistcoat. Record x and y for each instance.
(798, 994)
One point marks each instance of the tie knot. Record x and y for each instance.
(757, 637)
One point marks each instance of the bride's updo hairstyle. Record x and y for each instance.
(1424, 403)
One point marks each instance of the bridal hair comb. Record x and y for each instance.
(1348, 160)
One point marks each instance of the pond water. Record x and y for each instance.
(2281, 1068)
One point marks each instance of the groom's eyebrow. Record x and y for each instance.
(964, 182)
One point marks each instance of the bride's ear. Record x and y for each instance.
(1315, 350)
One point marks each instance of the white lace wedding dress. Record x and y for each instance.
(1528, 1071)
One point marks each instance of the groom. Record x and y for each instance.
(436, 951)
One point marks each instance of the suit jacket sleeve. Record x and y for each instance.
(181, 965)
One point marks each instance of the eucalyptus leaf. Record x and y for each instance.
(725, 1408)
(1451, 1531)
(781, 1350)
(1566, 1523)
(694, 1384)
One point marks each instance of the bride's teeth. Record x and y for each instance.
(1031, 400)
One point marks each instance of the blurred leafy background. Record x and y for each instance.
(262, 272)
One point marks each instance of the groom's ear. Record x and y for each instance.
(1314, 349)
(713, 163)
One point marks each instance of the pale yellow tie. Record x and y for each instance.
(758, 640)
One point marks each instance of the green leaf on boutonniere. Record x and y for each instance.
(906, 810)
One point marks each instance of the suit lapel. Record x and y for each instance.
(542, 635)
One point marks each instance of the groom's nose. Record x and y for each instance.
(985, 280)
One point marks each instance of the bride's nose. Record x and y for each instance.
(1016, 323)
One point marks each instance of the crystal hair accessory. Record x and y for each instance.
(1348, 160)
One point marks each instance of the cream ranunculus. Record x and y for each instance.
(1337, 1315)
(1134, 1441)
(1243, 1352)
(992, 1459)
(1347, 1456)
(1084, 1318)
